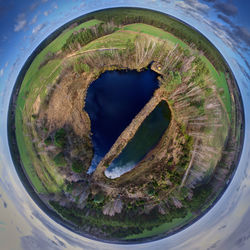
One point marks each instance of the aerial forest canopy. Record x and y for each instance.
(174, 156)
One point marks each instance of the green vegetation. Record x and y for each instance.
(221, 83)
(80, 67)
(118, 39)
(84, 37)
(152, 224)
(59, 159)
(99, 198)
(77, 166)
(125, 16)
(163, 228)
(153, 31)
(60, 138)
(48, 141)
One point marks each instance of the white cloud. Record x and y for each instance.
(165, 1)
(20, 25)
(38, 28)
(46, 13)
(197, 10)
(1, 72)
(21, 22)
(193, 6)
(34, 5)
(34, 19)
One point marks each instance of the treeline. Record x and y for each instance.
(121, 225)
(123, 16)
(85, 36)
(129, 222)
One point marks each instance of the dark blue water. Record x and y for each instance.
(145, 138)
(112, 101)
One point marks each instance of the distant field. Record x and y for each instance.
(153, 31)
(117, 39)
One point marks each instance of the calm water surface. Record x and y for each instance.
(112, 101)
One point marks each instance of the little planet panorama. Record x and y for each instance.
(125, 125)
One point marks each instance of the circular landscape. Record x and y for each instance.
(125, 125)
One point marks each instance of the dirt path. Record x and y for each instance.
(90, 50)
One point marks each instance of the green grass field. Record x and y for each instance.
(23, 145)
(117, 39)
(153, 31)
(161, 229)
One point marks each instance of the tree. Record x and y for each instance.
(59, 159)
(77, 166)
(60, 138)
(99, 198)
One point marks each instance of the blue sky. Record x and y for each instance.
(24, 24)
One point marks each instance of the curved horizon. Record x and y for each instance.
(212, 225)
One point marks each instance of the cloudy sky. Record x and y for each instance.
(24, 24)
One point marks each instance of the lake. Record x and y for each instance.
(146, 137)
(112, 101)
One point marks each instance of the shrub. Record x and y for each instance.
(59, 159)
(60, 138)
(151, 191)
(48, 140)
(77, 166)
(85, 67)
(99, 198)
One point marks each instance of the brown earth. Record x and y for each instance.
(66, 104)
